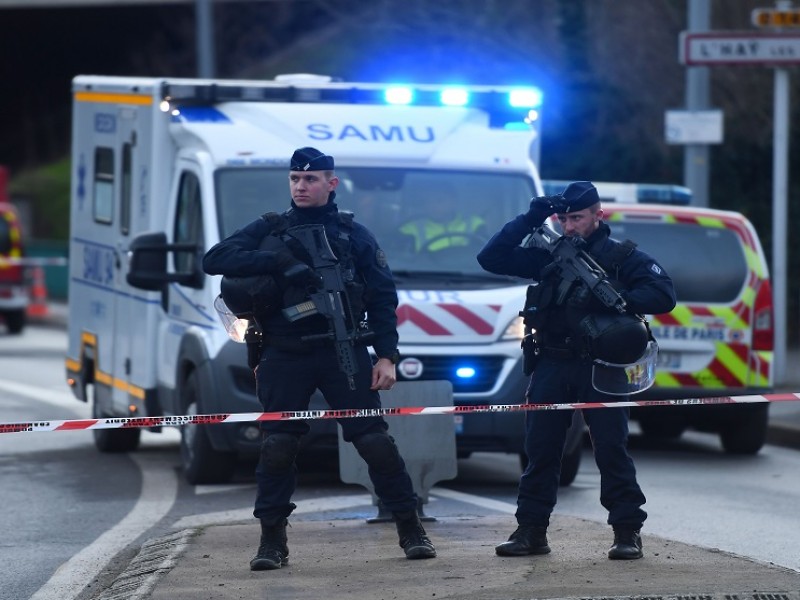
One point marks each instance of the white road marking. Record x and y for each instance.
(313, 505)
(504, 507)
(44, 395)
(159, 490)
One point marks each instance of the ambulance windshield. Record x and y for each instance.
(425, 220)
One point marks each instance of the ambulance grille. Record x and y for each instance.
(487, 370)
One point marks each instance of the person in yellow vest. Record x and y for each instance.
(444, 227)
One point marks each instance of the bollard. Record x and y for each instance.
(427, 443)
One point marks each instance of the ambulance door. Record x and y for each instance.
(124, 393)
(187, 305)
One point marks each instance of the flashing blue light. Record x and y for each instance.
(525, 98)
(454, 97)
(398, 95)
(465, 372)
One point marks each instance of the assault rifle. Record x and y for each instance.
(576, 265)
(327, 298)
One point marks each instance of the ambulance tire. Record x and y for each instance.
(662, 426)
(111, 441)
(747, 434)
(15, 321)
(201, 462)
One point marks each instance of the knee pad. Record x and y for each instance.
(379, 451)
(278, 452)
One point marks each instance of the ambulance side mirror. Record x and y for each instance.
(148, 263)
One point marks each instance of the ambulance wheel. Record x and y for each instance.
(15, 321)
(111, 440)
(201, 462)
(747, 434)
(659, 425)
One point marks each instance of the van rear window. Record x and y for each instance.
(707, 265)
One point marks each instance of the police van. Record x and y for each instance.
(719, 339)
(171, 166)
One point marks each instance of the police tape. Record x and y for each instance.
(350, 413)
(32, 261)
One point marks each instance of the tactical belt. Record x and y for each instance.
(296, 344)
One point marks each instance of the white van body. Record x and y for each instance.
(193, 160)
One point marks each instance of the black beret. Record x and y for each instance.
(579, 195)
(310, 159)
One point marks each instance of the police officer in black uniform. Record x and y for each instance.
(291, 369)
(563, 372)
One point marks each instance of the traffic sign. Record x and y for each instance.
(739, 48)
(775, 17)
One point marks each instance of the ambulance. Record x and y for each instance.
(165, 168)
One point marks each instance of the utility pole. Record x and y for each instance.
(695, 156)
(204, 34)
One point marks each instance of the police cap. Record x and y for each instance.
(579, 195)
(310, 159)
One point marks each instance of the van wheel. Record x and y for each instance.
(746, 435)
(666, 427)
(201, 463)
(111, 440)
(15, 321)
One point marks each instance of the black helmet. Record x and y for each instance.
(252, 296)
(615, 339)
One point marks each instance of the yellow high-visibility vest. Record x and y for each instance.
(425, 230)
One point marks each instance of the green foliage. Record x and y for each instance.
(46, 191)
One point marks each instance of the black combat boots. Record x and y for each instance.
(527, 539)
(413, 539)
(273, 552)
(627, 545)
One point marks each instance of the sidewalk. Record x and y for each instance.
(358, 561)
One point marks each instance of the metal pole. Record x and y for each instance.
(204, 34)
(780, 178)
(695, 156)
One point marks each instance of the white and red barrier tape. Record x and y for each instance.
(349, 413)
(44, 261)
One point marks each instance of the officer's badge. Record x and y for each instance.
(380, 258)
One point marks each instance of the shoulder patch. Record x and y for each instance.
(380, 258)
(655, 269)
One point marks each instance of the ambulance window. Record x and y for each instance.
(103, 202)
(189, 224)
(707, 264)
(127, 193)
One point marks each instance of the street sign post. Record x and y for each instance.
(777, 49)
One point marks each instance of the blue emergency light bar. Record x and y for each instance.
(511, 107)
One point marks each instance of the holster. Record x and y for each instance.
(530, 353)
(253, 338)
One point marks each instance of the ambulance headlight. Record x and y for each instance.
(515, 331)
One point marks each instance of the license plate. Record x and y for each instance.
(669, 360)
(459, 423)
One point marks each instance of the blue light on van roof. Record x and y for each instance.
(525, 98)
(466, 372)
(398, 95)
(454, 97)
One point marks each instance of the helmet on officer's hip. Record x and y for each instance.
(248, 297)
(623, 380)
(623, 352)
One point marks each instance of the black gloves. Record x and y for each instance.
(294, 271)
(542, 207)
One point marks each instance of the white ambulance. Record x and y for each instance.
(166, 168)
